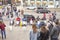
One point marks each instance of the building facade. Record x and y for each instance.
(49, 3)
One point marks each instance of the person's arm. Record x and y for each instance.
(38, 36)
(30, 35)
(59, 27)
(52, 32)
(4, 25)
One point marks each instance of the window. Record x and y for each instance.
(38, 0)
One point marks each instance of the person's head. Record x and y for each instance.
(0, 22)
(19, 10)
(57, 21)
(43, 29)
(11, 15)
(34, 27)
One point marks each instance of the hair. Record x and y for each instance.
(57, 21)
(43, 29)
(34, 26)
(0, 21)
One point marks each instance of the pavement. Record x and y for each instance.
(21, 33)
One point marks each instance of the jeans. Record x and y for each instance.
(3, 33)
(54, 38)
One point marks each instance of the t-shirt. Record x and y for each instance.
(17, 19)
(33, 36)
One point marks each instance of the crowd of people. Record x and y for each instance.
(48, 31)
(45, 30)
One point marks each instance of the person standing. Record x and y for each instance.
(33, 33)
(38, 18)
(55, 31)
(44, 16)
(54, 15)
(22, 12)
(11, 20)
(2, 27)
(44, 34)
(18, 21)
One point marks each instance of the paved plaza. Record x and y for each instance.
(21, 33)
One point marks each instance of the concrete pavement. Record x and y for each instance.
(19, 33)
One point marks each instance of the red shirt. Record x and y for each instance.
(2, 26)
(18, 19)
(44, 14)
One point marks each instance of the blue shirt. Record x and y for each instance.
(33, 36)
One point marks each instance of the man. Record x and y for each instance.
(55, 31)
(2, 27)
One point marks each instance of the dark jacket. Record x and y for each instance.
(43, 36)
(55, 32)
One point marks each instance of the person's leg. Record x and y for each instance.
(2, 34)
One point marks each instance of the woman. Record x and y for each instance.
(2, 27)
(44, 34)
(33, 33)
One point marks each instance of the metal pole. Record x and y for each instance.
(11, 9)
